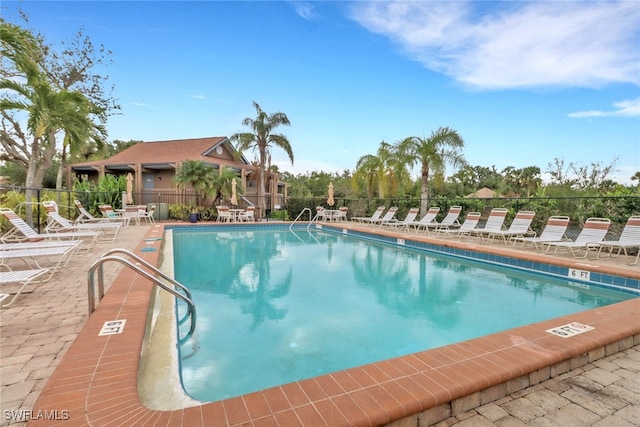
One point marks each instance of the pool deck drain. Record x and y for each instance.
(37, 331)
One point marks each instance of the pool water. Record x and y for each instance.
(276, 306)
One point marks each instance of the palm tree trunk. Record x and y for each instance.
(63, 158)
(424, 191)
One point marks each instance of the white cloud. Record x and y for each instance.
(141, 104)
(519, 44)
(304, 9)
(629, 108)
(197, 96)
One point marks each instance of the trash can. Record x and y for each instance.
(162, 211)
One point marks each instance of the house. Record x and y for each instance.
(153, 165)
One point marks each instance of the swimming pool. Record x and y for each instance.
(399, 301)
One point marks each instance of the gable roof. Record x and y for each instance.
(165, 153)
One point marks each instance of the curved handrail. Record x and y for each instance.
(312, 220)
(299, 215)
(145, 274)
(152, 268)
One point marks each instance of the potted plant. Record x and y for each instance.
(193, 214)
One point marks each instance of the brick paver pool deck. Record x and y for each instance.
(594, 388)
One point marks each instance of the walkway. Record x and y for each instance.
(38, 328)
(605, 393)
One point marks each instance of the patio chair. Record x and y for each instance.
(132, 212)
(469, 224)
(342, 214)
(57, 223)
(107, 211)
(449, 221)
(428, 218)
(20, 277)
(407, 221)
(629, 239)
(224, 215)
(593, 232)
(554, 231)
(495, 223)
(376, 215)
(520, 227)
(22, 232)
(249, 214)
(145, 214)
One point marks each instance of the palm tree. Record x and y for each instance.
(382, 169)
(220, 187)
(433, 154)
(529, 179)
(197, 174)
(79, 130)
(261, 140)
(371, 168)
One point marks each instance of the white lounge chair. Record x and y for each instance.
(469, 224)
(593, 232)
(56, 256)
(40, 244)
(407, 221)
(86, 217)
(554, 231)
(449, 221)
(427, 219)
(22, 232)
(57, 224)
(629, 239)
(495, 223)
(520, 227)
(376, 215)
(386, 218)
(21, 277)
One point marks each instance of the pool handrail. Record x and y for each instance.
(299, 215)
(107, 257)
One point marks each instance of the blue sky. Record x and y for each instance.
(522, 82)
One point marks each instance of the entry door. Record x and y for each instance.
(148, 184)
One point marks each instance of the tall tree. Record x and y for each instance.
(370, 168)
(50, 87)
(443, 147)
(72, 68)
(383, 170)
(220, 186)
(25, 89)
(529, 179)
(261, 140)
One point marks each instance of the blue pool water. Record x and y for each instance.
(276, 306)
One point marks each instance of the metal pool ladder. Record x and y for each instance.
(311, 220)
(191, 313)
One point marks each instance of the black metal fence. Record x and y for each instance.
(177, 205)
